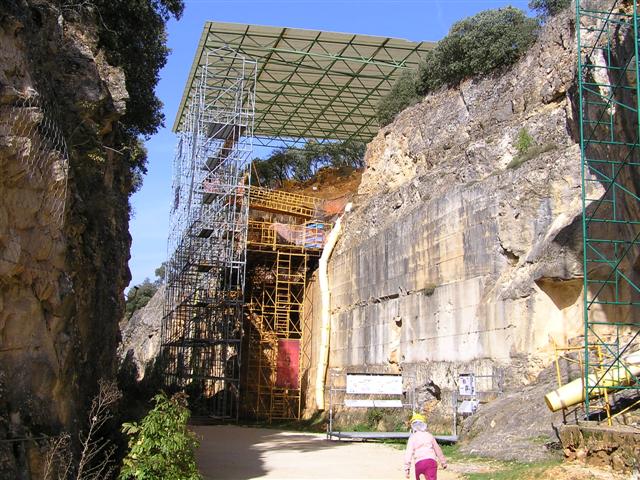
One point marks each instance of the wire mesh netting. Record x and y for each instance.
(36, 142)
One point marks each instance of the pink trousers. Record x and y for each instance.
(428, 468)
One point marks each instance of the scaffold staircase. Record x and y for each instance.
(290, 284)
(287, 203)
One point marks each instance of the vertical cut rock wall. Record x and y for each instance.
(461, 256)
(64, 241)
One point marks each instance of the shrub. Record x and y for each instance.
(531, 153)
(139, 295)
(524, 141)
(403, 94)
(374, 417)
(474, 46)
(548, 8)
(95, 452)
(478, 45)
(161, 446)
(527, 148)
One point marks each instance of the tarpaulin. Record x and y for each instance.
(288, 363)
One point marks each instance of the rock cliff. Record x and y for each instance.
(461, 255)
(140, 345)
(64, 214)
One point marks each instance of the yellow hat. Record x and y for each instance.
(418, 417)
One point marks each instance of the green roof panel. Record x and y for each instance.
(310, 84)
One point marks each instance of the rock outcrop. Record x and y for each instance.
(140, 345)
(455, 251)
(460, 255)
(64, 241)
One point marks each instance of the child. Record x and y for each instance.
(423, 449)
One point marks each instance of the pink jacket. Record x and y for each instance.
(421, 446)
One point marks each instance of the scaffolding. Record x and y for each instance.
(281, 255)
(236, 345)
(609, 136)
(205, 275)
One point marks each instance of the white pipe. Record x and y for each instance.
(325, 309)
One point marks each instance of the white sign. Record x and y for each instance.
(467, 407)
(373, 403)
(467, 384)
(374, 384)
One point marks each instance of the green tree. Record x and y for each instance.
(161, 446)
(548, 8)
(160, 273)
(139, 295)
(303, 163)
(478, 45)
(403, 94)
(132, 32)
(273, 171)
(524, 142)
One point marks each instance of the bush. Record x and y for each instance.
(478, 45)
(139, 295)
(524, 141)
(161, 446)
(528, 148)
(403, 94)
(548, 8)
(474, 46)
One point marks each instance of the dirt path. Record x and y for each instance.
(232, 452)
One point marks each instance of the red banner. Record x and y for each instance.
(288, 364)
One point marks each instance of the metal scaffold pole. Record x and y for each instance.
(202, 325)
(237, 325)
(609, 120)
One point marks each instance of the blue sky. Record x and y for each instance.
(410, 19)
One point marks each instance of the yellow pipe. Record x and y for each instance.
(325, 309)
(573, 392)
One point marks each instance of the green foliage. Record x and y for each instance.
(132, 32)
(403, 94)
(136, 154)
(532, 152)
(476, 46)
(160, 273)
(374, 416)
(161, 446)
(548, 8)
(527, 148)
(139, 295)
(302, 164)
(524, 141)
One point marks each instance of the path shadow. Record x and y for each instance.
(235, 452)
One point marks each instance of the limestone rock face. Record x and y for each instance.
(460, 256)
(64, 238)
(140, 343)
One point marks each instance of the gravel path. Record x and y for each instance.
(233, 452)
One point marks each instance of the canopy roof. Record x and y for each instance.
(310, 84)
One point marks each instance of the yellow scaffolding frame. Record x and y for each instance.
(288, 203)
(605, 404)
(276, 305)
